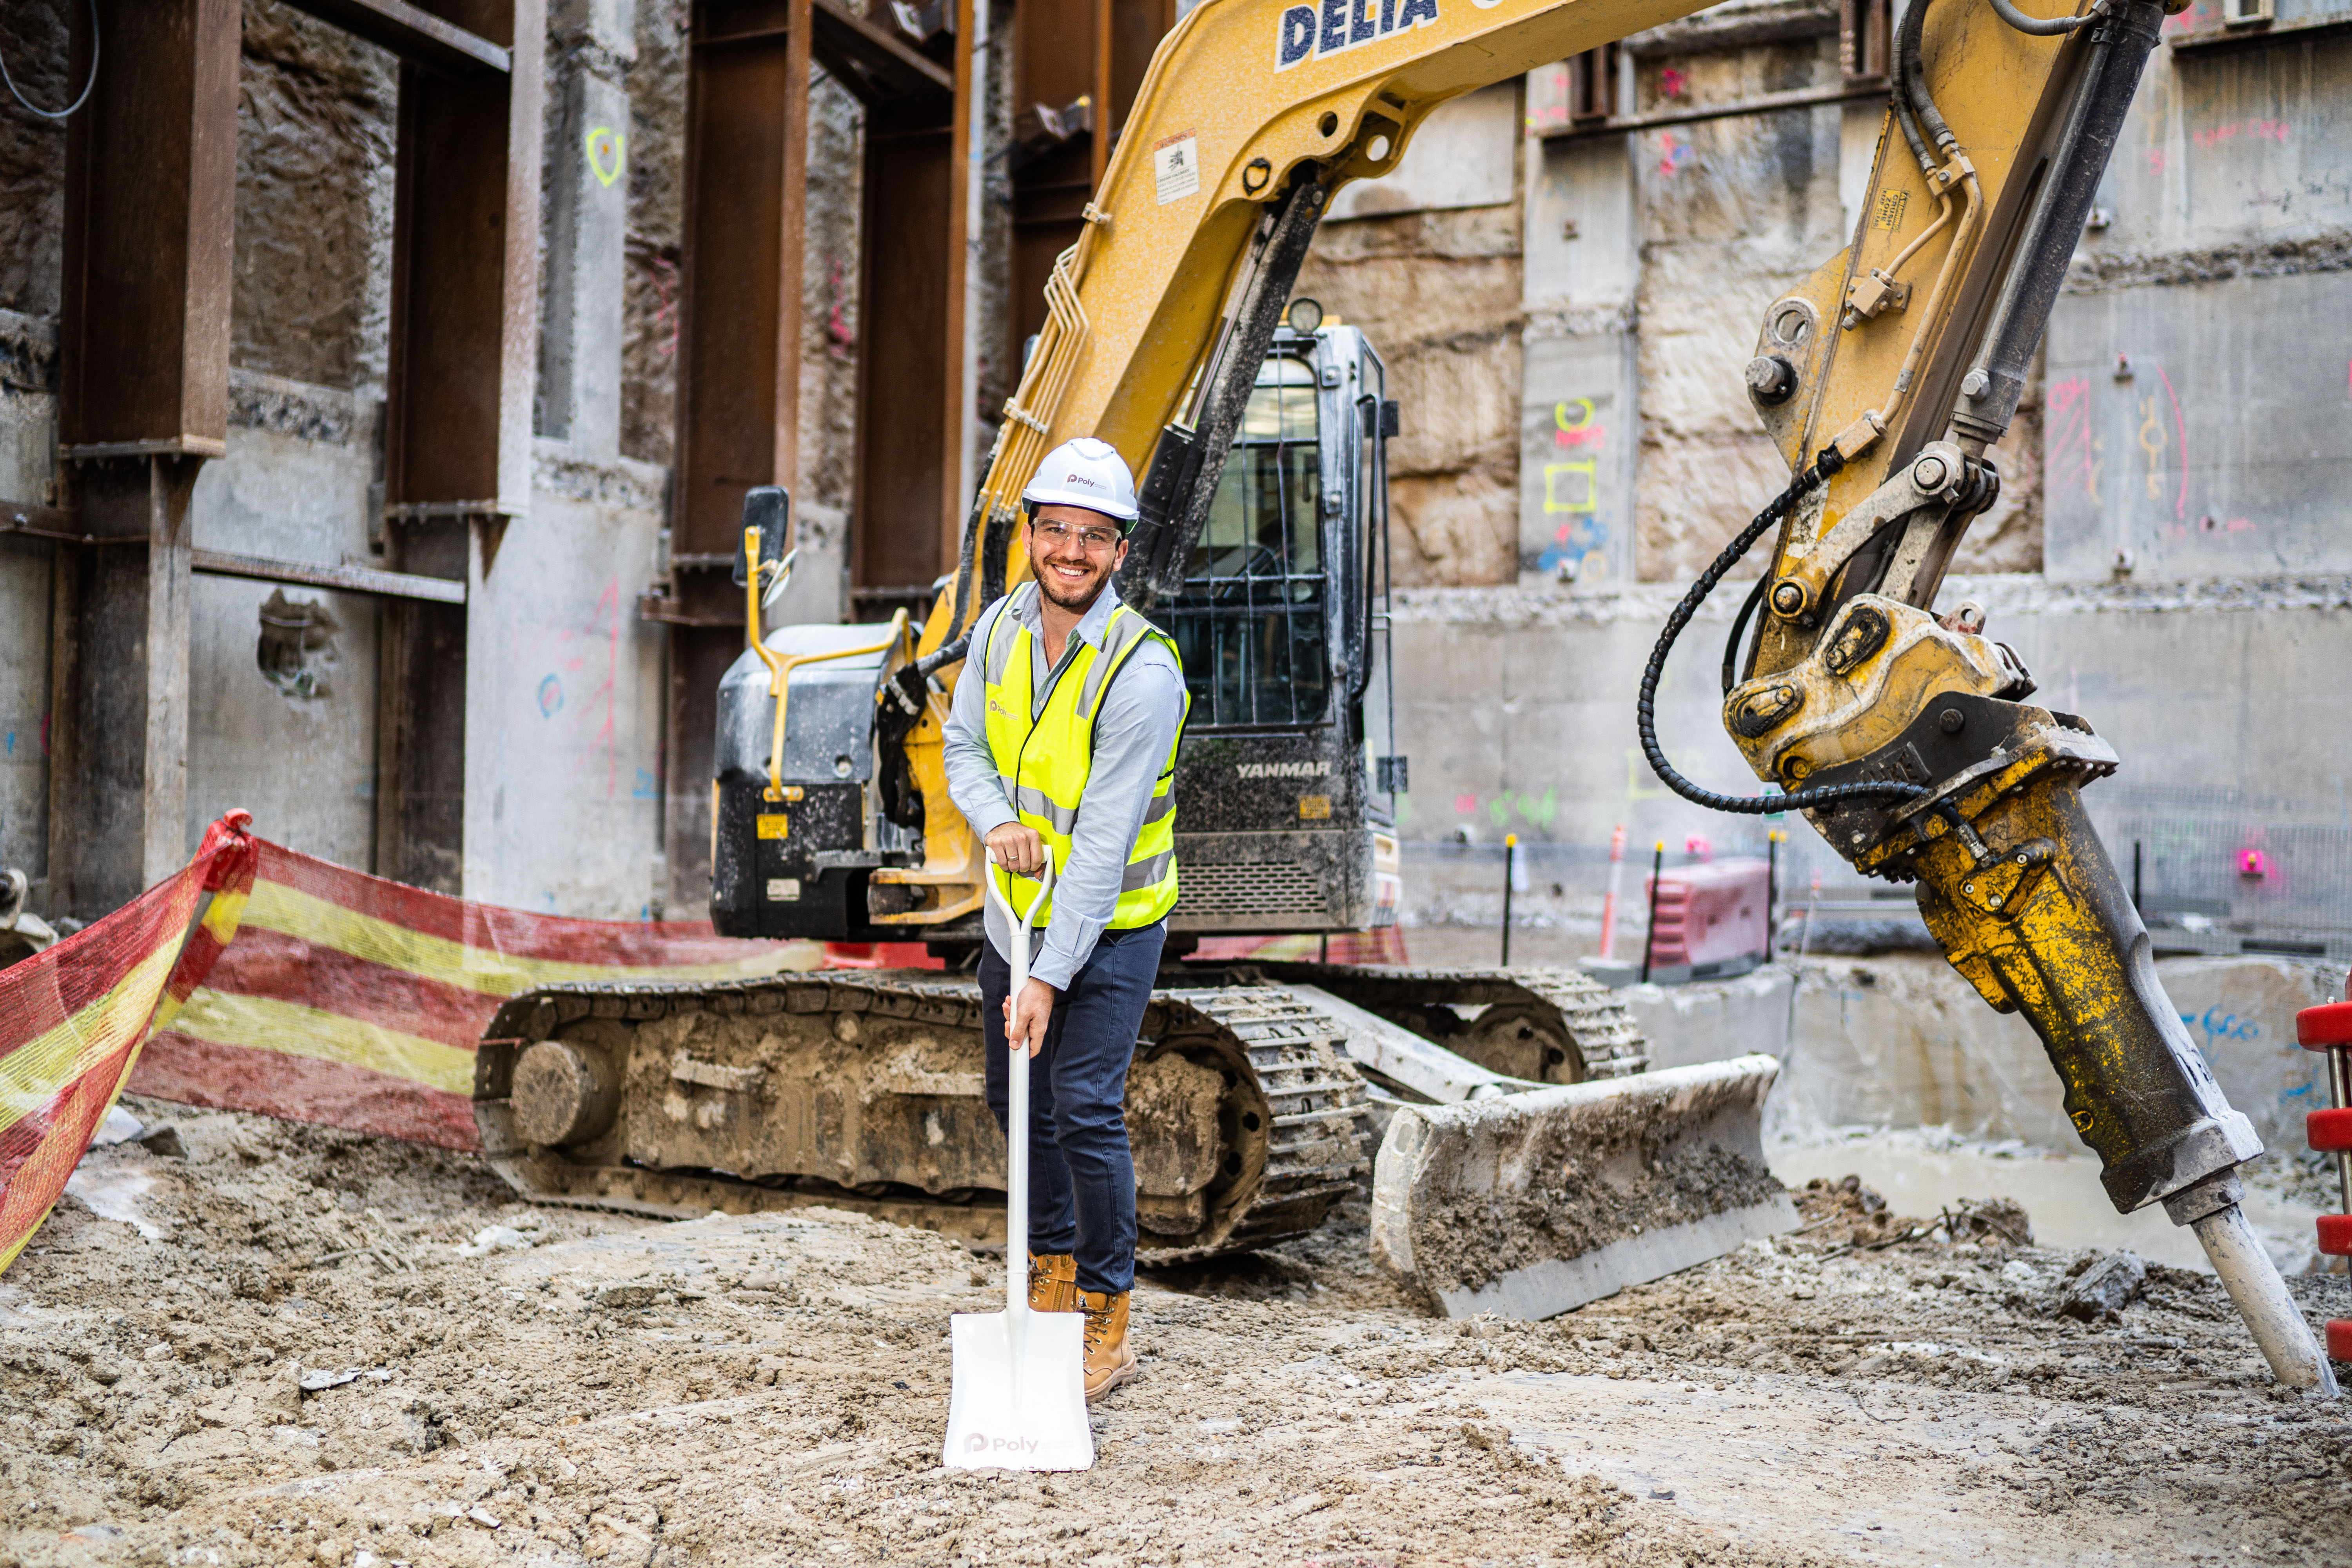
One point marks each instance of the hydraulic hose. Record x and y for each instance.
(1807, 480)
(1910, 80)
(1738, 632)
(2040, 27)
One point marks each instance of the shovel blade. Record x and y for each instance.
(1018, 1413)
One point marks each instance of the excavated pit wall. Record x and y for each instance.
(575, 696)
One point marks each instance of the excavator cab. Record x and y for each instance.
(1286, 780)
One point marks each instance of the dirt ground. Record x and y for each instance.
(297, 1345)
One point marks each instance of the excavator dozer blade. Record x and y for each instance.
(1530, 1205)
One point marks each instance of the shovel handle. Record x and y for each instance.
(1020, 919)
(1016, 1110)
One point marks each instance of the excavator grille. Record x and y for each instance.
(1280, 887)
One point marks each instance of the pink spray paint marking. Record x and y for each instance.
(2181, 441)
(2069, 403)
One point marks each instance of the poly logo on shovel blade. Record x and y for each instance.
(1024, 1412)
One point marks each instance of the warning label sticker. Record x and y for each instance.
(1891, 203)
(1176, 162)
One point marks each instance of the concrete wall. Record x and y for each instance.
(1436, 284)
(295, 747)
(28, 438)
(2219, 445)
(1516, 708)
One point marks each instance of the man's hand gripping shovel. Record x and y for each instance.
(1018, 1401)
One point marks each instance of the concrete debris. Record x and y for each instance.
(165, 1142)
(118, 1126)
(1989, 1219)
(320, 1381)
(2104, 1287)
(496, 1238)
(22, 932)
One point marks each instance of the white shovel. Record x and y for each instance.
(1019, 1397)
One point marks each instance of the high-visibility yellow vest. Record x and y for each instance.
(1043, 762)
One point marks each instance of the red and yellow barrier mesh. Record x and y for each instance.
(73, 1018)
(260, 979)
(356, 1002)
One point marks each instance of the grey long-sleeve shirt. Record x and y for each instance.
(1137, 726)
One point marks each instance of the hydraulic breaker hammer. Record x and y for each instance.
(1904, 735)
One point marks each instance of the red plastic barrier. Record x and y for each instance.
(2328, 1028)
(73, 1018)
(356, 1002)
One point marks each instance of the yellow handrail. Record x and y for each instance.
(782, 665)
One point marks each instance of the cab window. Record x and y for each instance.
(1251, 621)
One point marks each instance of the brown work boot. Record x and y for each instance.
(1052, 1282)
(1110, 1359)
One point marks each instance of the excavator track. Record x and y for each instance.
(864, 1092)
(1549, 1026)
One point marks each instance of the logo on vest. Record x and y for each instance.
(1282, 770)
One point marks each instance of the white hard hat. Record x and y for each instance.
(1085, 472)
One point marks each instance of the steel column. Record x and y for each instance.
(1063, 49)
(908, 516)
(737, 367)
(462, 376)
(151, 172)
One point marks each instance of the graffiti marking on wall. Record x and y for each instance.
(2251, 129)
(606, 146)
(2180, 444)
(1571, 489)
(2073, 447)
(574, 651)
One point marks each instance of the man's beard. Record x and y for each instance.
(1075, 605)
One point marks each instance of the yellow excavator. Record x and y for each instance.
(1903, 733)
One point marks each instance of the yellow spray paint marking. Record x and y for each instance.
(775, 826)
(2153, 441)
(604, 142)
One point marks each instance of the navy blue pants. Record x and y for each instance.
(1081, 1171)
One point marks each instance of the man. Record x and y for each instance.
(1063, 738)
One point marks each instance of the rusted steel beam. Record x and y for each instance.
(143, 399)
(739, 308)
(342, 579)
(465, 297)
(907, 514)
(2228, 38)
(412, 33)
(874, 65)
(1762, 103)
(151, 202)
(1063, 49)
(458, 406)
(738, 365)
